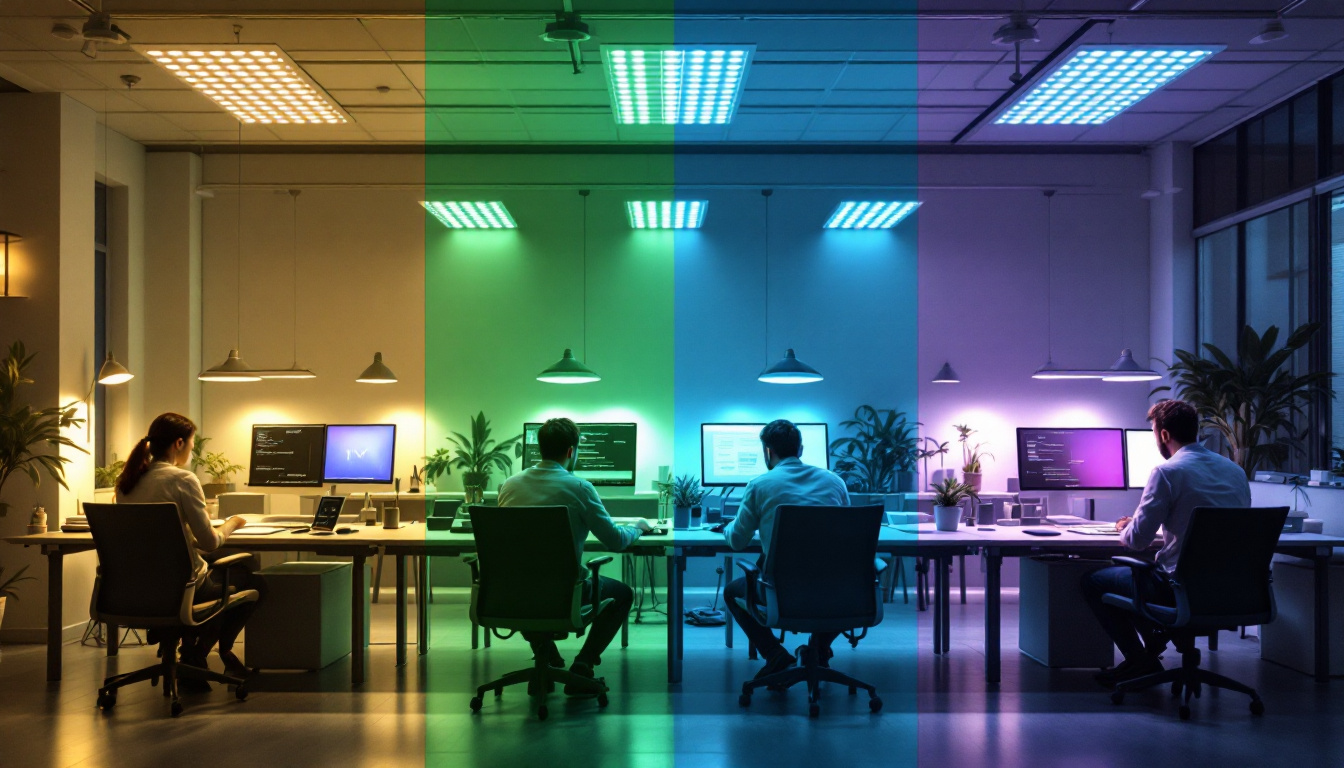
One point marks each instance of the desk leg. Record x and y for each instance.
(401, 610)
(676, 565)
(358, 592)
(961, 565)
(727, 625)
(55, 611)
(946, 566)
(993, 579)
(939, 574)
(630, 576)
(1323, 619)
(422, 598)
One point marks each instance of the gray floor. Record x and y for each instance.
(937, 713)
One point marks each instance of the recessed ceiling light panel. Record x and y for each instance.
(676, 85)
(869, 214)
(1099, 82)
(259, 84)
(666, 214)
(467, 215)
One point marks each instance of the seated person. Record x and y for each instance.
(155, 472)
(788, 482)
(1193, 476)
(552, 483)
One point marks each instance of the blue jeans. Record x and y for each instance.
(1132, 634)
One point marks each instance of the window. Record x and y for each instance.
(1336, 262)
(1219, 290)
(1216, 178)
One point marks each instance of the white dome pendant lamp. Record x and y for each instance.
(789, 369)
(233, 369)
(569, 369)
(1049, 371)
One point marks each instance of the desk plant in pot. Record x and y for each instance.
(24, 432)
(881, 456)
(686, 495)
(7, 588)
(220, 470)
(478, 456)
(971, 457)
(947, 498)
(1251, 402)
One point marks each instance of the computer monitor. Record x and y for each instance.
(731, 454)
(606, 454)
(359, 453)
(1071, 459)
(287, 455)
(1141, 456)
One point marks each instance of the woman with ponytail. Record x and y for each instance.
(156, 471)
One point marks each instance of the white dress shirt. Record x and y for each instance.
(550, 485)
(168, 482)
(791, 482)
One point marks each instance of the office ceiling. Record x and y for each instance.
(869, 75)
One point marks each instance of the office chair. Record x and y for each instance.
(1222, 581)
(820, 576)
(526, 578)
(145, 581)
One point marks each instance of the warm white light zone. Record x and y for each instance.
(666, 214)
(869, 214)
(468, 215)
(1097, 83)
(257, 83)
(675, 85)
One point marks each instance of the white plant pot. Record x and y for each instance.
(946, 518)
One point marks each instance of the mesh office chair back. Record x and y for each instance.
(529, 572)
(822, 570)
(144, 562)
(1222, 577)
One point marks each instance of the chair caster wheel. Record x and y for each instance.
(1257, 707)
(853, 690)
(153, 682)
(499, 692)
(106, 701)
(875, 704)
(813, 709)
(744, 700)
(175, 710)
(240, 693)
(476, 703)
(602, 700)
(1117, 698)
(1184, 712)
(543, 712)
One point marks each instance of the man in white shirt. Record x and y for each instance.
(1192, 476)
(552, 483)
(789, 482)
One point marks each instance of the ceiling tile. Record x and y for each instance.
(865, 76)
(406, 120)
(474, 121)
(370, 97)
(366, 76)
(841, 122)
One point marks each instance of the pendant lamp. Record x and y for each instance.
(294, 371)
(789, 369)
(569, 370)
(946, 375)
(233, 369)
(113, 373)
(1126, 369)
(1050, 371)
(377, 373)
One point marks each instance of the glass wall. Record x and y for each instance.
(1219, 289)
(1336, 262)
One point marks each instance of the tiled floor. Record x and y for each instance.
(937, 711)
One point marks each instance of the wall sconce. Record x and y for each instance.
(5, 239)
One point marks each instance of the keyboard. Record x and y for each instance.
(1095, 530)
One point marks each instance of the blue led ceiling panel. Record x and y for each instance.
(869, 214)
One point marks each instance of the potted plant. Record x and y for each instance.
(440, 464)
(686, 494)
(24, 431)
(971, 456)
(931, 448)
(105, 480)
(1250, 402)
(220, 469)
(479, 456)
(880, 457)
(947, 498)
(7, 588)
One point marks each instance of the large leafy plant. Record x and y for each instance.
(219, 467)
(24, 431)
(478, 456)
(7, 584)
(1251, 402)
(884, 445)
(106, 477)
(971, 455)
(686, 491)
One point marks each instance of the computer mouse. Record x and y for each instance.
(346, 530)
(1040, 532)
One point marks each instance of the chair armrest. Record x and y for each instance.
(594, 566)
(1134, 563)
(880, 564)
(225, 562)
(473, 562)
(1143, 573)
(753, 575)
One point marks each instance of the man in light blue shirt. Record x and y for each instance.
(789, 482)
(1192, 476)
(552, 483)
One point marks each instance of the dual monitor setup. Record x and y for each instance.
(1085, 459)
(312, 455)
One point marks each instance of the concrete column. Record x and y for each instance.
(1171, 250)
(172, 286)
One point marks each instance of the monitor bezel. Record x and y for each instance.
(1128, 480)
(581, 424)
(392, 469)
(703, 474)
(1124, 461)
(252, 456)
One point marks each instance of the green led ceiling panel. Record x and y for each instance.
(666, 214)
(675, 85)
(468, 215)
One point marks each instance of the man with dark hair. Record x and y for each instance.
(1192, 476)
(788, 482)
(551, 483)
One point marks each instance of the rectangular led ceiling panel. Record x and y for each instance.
(869, 214)
(257, 83)
(465, 215)
(675, 85)
(666, 214)
(1099, 82)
